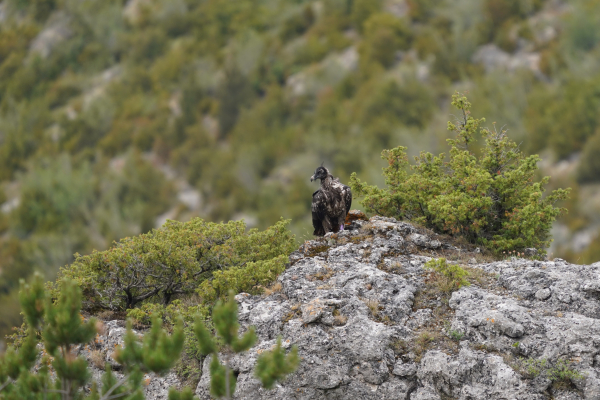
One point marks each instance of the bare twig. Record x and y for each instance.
(106, 396)
(5, 384)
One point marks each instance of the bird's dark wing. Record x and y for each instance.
(319, 210)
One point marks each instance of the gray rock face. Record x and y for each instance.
(357, 306)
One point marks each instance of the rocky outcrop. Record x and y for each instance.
(370, 324)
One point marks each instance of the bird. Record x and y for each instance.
(330, 203)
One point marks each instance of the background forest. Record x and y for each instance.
(118, 115)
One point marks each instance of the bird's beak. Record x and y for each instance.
(312, 178)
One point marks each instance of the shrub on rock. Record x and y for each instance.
(492, 199)
(178, 258)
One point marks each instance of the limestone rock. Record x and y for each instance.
(352, 303)
(367, 326)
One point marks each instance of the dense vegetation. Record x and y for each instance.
(55, 373)
(178, 273)
(115, 115)
(490, 199)
(180, 258)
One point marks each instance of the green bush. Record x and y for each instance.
(421, 10)
(271, 366)
(564, 118)
(450, 276)
(582, 32)
(410, 103)
(55, 373)
(362, 10)
(559, 372)
(490, 199)
(384, 35)
(312, 51)
(234, 92)
(54, 194)
(589, 166)
(298, 23)
(60, 374)
(175, 259)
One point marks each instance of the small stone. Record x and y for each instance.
(543, 294)
(435, 244)
(312, 311)
(419, 240)
(564, 297)
(404, 369)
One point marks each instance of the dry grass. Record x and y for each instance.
(324, 276)
(394, 268)
(360, 239)
(430, 335)
(97, 359)
(369, 227)
(488, 348)
(274, 288)
(295, 312)
(316, 250)
(464, 257)
(191, 300)
(436, 287)
(324, 287)
(481, 278)
(399, 346)
(373, 306)
(106, 315)
(423, 342)
(376, 314)
(366, 253)
(338, 318)
(442, 284)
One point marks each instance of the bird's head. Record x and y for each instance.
(320, 173)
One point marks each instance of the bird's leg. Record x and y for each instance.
(327, 225)
(342, 221)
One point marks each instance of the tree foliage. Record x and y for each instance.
(57, 373)
(177, 258)
(491, 199)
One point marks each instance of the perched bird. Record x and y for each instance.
(330, 203)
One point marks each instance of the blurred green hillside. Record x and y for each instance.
(117, 115)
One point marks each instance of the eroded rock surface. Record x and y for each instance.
(361, 309)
